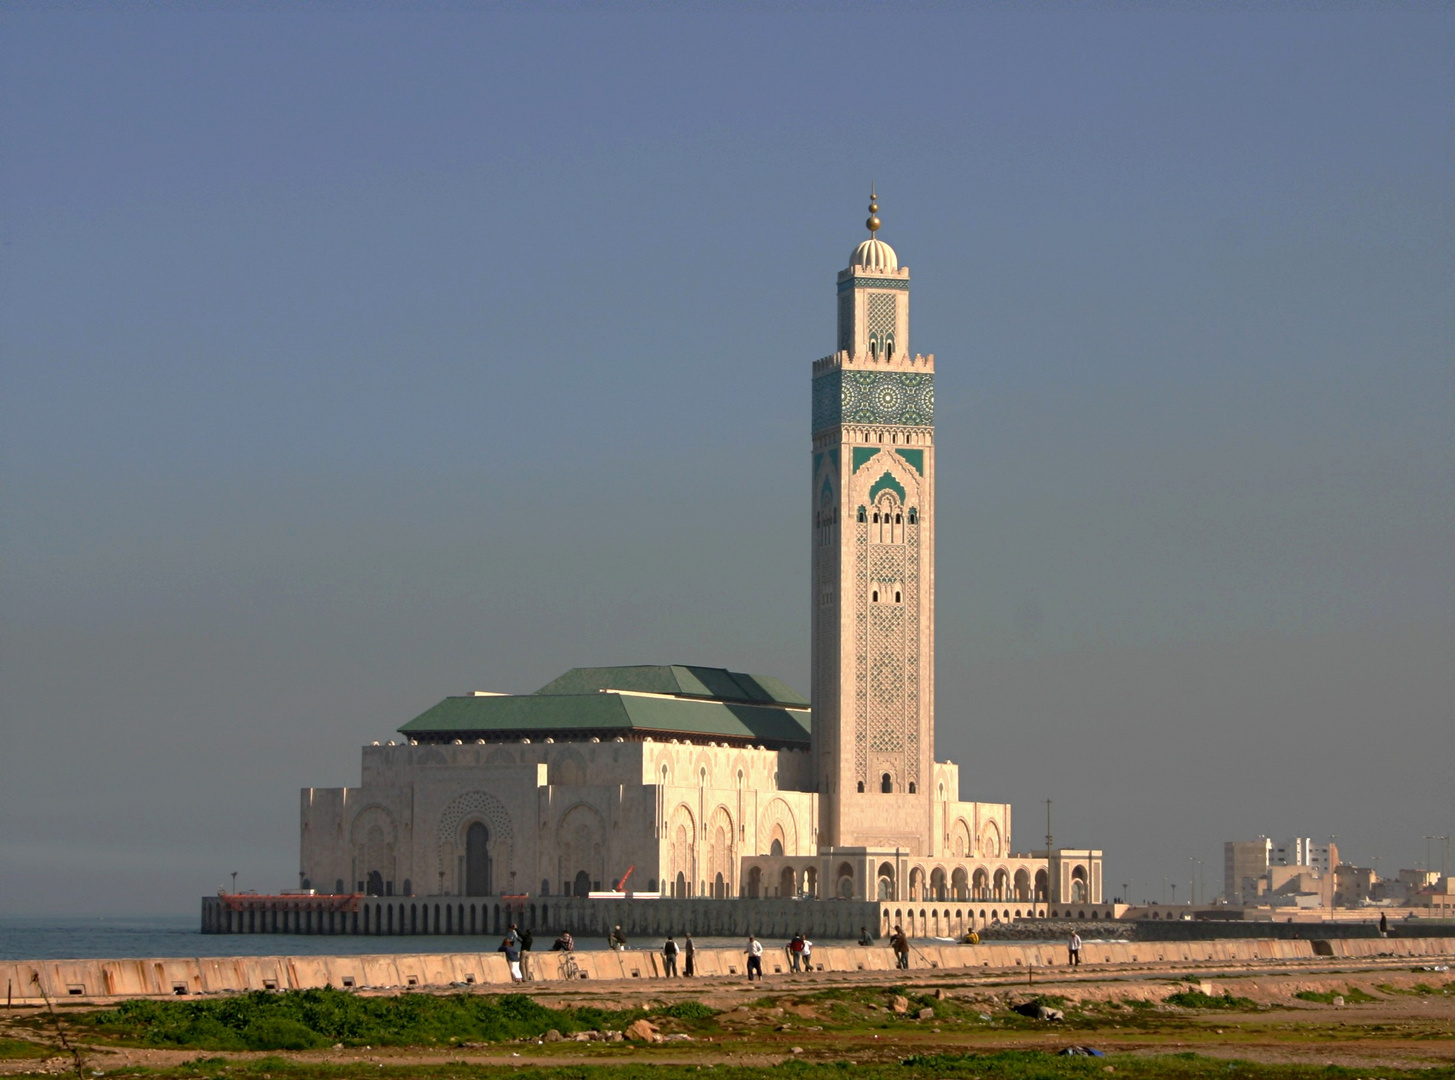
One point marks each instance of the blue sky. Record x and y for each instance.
(354, 357)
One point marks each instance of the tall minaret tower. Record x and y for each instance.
(874, 565)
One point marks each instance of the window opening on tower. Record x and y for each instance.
(886, 784)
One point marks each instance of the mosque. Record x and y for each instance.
(706, 783)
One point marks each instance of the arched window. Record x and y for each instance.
(875, 596)
(861, 515)
(861, 787)
(896, 596)
(886, 784)
(913, 517)
(898, 519)
(876, 517)
(911, 787)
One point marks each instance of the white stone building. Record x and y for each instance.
(710, 783)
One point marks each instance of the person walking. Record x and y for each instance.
(669, 958)
(755, 958)
(688, 969)
(900, 944)
(1073, 946)
(807, 954)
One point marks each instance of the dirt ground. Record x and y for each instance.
(1409, 1021)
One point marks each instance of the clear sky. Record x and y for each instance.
(353, 356)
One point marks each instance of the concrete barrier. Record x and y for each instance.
(156, 977)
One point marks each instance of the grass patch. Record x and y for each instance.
(11, 1049)
(1196, 999)
(687, 1010)
(1352, 996)
(309, 1019)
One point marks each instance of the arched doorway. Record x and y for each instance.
(755, 882)
(810, 882)
(376, 884)
(582, 885)
(980, 884)
(785, 882)
(1022, 884)
(679, 887)
(477, 860)
(719, 887)
(1041, 892)
(886, 881)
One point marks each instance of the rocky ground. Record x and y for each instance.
(1366, 1016)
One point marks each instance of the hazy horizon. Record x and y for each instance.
(353, 358)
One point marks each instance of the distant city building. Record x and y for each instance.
(1245, 866)
(1295, 870)
(1302, 851)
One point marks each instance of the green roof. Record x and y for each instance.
(714, 703)
(718, 684)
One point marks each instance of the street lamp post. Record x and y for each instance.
(234, 882)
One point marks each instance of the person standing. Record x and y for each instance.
(795, 953)
(1383, 925)
(669, 958)
(807, 955)
(511, 948)
(687, 947)
(900, 944)
(1073, 946)
(755, 958)
(527, 939)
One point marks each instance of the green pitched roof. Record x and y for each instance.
(719, 684)
(715, 703)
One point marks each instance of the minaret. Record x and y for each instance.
(874, 565)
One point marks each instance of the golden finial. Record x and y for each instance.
(873, 222)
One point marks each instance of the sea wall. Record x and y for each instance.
(70, 980)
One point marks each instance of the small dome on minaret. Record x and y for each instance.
(874, 254)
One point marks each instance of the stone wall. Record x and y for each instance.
(72, 980)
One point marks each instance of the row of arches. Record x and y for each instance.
(947, 922)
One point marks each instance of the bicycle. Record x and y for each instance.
(569, 968)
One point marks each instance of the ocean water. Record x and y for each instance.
(54, 937)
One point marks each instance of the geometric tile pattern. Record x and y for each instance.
(873, 283)
(905, 398)
(880, 323)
